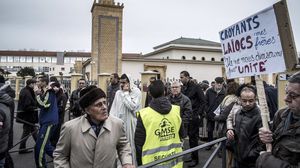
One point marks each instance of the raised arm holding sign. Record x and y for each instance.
(260, 44)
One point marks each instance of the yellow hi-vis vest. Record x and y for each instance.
(162, 136)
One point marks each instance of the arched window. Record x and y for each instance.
(222, 59)
(213, 59)
(203, 58)
(183, 57)
(194, 58)
(167, 57)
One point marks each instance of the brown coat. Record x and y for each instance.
(79, 147)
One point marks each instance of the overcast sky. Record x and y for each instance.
(59, 25)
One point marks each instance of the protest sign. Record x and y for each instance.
(253, 46)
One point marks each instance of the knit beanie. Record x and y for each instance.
(89, 95)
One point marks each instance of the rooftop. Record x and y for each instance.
(190, 41)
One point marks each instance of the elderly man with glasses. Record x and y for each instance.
(285, 134)
(95, 138)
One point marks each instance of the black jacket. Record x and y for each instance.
(5, 117)
(213, 100)
(185, 106)
(74, 103)
(272, 99)
(285, 147)
(27, 106)
(61, 104)
(248, 145)
(195, 94)
(162, 106)
(111, 92)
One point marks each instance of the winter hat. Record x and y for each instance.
(89, 95)
(219, 80)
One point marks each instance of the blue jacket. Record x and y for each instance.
(49, 109)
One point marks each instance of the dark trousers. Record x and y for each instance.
(43, 145)
(210, 130)
(27, 129)
(193, 132)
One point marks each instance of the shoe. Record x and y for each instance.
(23, 151)
(208, 148)
(193, 163)
(190, 160)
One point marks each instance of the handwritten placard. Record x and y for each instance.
(252, 46)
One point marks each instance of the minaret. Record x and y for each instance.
(106, 53)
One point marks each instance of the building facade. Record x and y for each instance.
(49, 62)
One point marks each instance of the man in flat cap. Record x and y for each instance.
(27, 114)
(92, 139)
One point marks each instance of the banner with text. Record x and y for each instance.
(252, 46)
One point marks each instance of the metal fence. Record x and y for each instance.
(220, 141)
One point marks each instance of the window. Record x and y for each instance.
(28, 59)
(22, 59)
(42, 59)
(54, 59)
(48, 59)
(3, 59)
(62, 69)
(203, 58)
(194, 58)
(72, 60)
(167, 57)
(45, 69)
(36, 59)
(212, 59)
(67, 60)
(16, 68)
(222, 59)
(183, 57)
(16, 59)
(10, 59)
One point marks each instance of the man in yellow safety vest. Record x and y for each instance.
(159, 129)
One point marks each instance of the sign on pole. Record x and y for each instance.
(254, 45)
(260, 44)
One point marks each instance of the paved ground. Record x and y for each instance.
(27, 160)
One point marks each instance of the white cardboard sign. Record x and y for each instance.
(252, 46)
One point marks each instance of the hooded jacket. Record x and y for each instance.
(5, 118)
(162, 106)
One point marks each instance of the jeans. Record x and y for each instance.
(2, 162)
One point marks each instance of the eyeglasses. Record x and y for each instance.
(81, 83)
(292, 95)
(100, 104)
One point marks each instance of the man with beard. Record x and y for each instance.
(196, 95)
(112, 89)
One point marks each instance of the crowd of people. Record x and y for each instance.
(113, 130)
